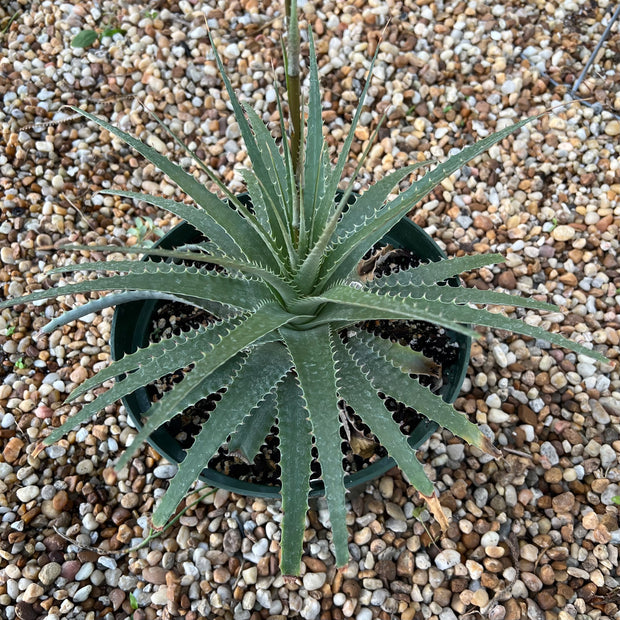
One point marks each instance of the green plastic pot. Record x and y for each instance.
(130, 331)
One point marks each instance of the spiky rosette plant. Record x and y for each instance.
(286, 347)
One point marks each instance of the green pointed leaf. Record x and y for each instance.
(286, 290)
(408, 391)
(115, 299)
(387, 306)
(434, 272)
(494, 320)
(187, 347)
(460, 294)
(404, 357)
(260, 160)
(84, 38)
(371, 201)
(250, 434)
(271, 218)
(295, 433)
(314, 186)
(168, 278)
(314, 364)
(276, 167)
(213, 177)
(264, 368)
(198, 218)
(354, 387)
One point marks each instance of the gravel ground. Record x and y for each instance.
(533, 535)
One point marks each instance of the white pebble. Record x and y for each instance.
(28, 493)
(489, 539)
(311, 609)
(314, 581)
(447, 559)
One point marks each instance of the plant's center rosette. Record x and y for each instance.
(359, 446)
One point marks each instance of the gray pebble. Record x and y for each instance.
(82, 594)
(396, 525)
(85, 571)
(608, 456)
(165, 472)
(549, 452)
(260, 547)
(263, 597)
(599, 413)
(113, 577)
(455, 451)
(5, 470)
(612, 405)
(232, 541)
(106, 561)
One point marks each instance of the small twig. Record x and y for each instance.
(65, 197)
(517, 452)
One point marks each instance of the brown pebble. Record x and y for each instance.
(526, 415)
(563, 502)
(405, 564)
(351, 588)
(314, 565)
(513, 610)
(221, 575)
(599, 485)
(507, 280)
(117, 597)
(553, 475)
(546, 600)
(471, 540)
(484, 222)
(61, 501)
(54, 542)
(25, 611)
(70, 569)
(120, 515)
(155, 575)
(386, 570)
(124, 534)
(12, 449)
(79, 375)
(442, 596)
(547, 574)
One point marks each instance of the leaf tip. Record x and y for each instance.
(436, 509)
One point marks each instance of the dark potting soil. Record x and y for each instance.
(360, 446)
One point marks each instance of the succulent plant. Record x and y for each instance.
(287, 345)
